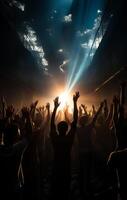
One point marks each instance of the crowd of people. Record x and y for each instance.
(82, 155)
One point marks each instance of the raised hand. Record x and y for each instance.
(56, 102)
(33, 105)
(56, 105)
(80, 111)
(83, 106)
(76, 96)
(97, 113)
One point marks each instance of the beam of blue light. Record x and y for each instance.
(83, 66)
(79, 73)
(73, 66)
(77, 70)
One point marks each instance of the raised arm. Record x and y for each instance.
(97, 113)
(32, 109)
(80, 112)
(75, 113)
(28, 123)
(115, 109)
(122, 93)
(3, 107)
(10, 112)
(122, 100)
(84, 109)
(45, 117)
(48, 111)
(105, 109)
(110, 116)
(56, 105)
(93, 110)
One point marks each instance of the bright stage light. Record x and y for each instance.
(64, 99)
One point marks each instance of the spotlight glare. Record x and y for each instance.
(63, 99)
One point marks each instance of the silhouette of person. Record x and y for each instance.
(118, 159)
(86, 137)
(10, 157)
(62, 142)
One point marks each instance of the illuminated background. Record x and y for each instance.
(50, 46)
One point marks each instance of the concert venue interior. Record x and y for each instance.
(63, 99)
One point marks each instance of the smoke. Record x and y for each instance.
(88, 35)
(60, 51)
(18, 4)
(31, 42)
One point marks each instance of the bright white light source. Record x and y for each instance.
(68, 18)
(65, 99)
(87, 31)
(60, 50)
(65, 62)
(18, 5)
(44, 62)
(89, 44)
(99, 11)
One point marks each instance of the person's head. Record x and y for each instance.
(62, 128)
(83, 120)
